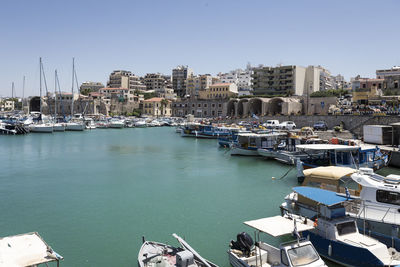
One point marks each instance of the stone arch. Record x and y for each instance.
(34, 104)
(232, 107)
(275, 106)
(241, 107)
(255, 106)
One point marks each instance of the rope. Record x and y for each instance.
(285, 173)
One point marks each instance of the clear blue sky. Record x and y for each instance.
(347, 37)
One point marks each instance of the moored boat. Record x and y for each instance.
(155, 254)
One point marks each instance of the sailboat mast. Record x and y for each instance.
(12, 90)
(73, 80)
(23, 92)
(55, 94)
(40, 84)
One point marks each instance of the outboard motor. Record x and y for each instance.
(243, 242)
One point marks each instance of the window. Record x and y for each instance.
(219, 105)
(284, 258)
(346, 228)
(205, 105)
(302, 255)
(388, 197)
(199, 105)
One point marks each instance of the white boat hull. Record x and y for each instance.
(41, 128)
(73, 126)
(236, 151)
(58, 127)
(117, 125)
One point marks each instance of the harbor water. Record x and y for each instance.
(92, 195)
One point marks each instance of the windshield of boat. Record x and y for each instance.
(346, 228)
(302, 255)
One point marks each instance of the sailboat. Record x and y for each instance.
(75, 124)
(41, 126)
(57, 127)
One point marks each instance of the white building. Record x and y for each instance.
(242, 78)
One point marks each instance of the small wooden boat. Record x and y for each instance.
(155, 254)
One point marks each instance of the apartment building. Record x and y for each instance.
(219, 91)
(290, 80)
(123, 94)
(242, 78)
(156, 81)
(125, 79)
(365, 89)
(179, 76)
(91, 87)
(200, 82)
(281, 80)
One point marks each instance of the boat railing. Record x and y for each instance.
(363, 210)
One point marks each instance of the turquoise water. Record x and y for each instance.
(92, 195)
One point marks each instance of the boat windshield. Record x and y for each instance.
(302, 255)
(346, 228)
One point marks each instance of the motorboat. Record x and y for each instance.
(41, 128)
(75, 126)
(26, 250)
(58, 127)
(248, 143)
(140, 124)
(245, 253)
(155, 254)
(116, 123)
(336, 235)
(339, 155)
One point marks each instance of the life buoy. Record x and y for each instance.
(316, 223)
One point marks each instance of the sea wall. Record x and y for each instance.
(353, 123)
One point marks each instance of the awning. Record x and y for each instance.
(329, 173)
(278, 225)
(25, 250)
(325, 197)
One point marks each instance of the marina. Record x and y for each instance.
(119, 194)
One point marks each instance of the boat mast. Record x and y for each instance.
(40, 84)
(73, 80)
(55, 95)
(23, 92)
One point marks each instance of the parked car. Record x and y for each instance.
(271, 124)
(287, 125)
(320, 125)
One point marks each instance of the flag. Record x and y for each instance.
(347, 192)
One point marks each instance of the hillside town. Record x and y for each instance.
(241, 93)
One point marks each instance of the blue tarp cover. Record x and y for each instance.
(322, 196)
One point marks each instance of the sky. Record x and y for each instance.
(346, 37)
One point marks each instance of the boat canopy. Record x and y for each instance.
(25, 250)
(327, 147)
(278, 225)
(329, 172)
(321, 196)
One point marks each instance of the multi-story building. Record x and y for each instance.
(339, 82)
(281, 80)
(7, 105)
(365, 89)
(200, 82)
(125, 79)
(219, 91)
(391, 79)
(157, 106)
(290, 80)
(242, 78)
(156, 81)
(123, 94)
(200, 108)
(167, 93)
(179, 76)
(91, 87)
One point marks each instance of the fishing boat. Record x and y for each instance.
(339, 155)
(155, 254)
(245, 253)
(228, 140)
(336, 235)
(26, 250)
(248, 143)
